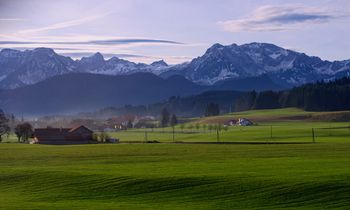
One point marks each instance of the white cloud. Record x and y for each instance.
(277, 18)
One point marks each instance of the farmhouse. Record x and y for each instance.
(244, 122)
(77, 135)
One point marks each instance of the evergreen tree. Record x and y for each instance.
(165, 117)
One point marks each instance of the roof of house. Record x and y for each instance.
(80, 127)
(58, 133)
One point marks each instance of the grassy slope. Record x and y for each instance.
(176, 176)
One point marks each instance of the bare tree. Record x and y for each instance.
(24, 131)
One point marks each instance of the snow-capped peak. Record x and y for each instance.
(254, 59)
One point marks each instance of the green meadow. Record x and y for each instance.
(296, 175)
(277, 125)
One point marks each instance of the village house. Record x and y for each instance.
(76, 135)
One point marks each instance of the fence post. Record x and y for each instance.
(313, 135)
(146, 138)
(271, 132)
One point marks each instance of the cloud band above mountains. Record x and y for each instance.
(278, 18)
(96, 42)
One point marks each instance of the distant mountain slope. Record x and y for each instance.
(188, 106)
(284, 67)
(79, 92)
(259, 83)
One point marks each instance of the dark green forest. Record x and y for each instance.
(319, 96)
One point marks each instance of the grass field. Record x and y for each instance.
(296, 131)
(186, 176)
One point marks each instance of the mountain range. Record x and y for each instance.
(41, 82)
(284, 67)
(21, 68)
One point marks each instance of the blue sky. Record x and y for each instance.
(174, 30)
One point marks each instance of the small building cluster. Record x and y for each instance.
(239, 122)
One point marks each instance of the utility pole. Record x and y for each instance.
(173, 134)
(313, 135)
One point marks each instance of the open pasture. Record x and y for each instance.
(185, 176)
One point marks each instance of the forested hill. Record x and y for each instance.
(320, 96)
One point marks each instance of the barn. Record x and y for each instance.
(77, 135)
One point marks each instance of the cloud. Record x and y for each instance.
(11, 19)
(65, 24)
(31, 48)
(122, 41)
(94, 42)
(278, 18)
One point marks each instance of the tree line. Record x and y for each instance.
(319, 96)
(188, 106)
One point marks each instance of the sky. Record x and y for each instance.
(174, 30)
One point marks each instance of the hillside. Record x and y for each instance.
(82, 92)
(279, 115)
